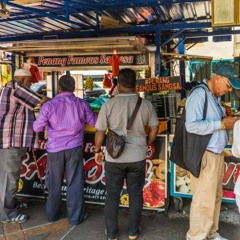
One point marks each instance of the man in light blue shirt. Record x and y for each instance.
(207, 188)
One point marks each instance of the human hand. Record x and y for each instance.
(44, 99)
(99, 158)
(228, 122)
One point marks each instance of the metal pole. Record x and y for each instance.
(13, 60)
(53, 84)
(158, 53)
(181, 49)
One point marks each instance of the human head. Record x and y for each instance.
(66, 83)
(219, 85)
(223, 80)
(23, 76)
(127, 79)
(228, 71)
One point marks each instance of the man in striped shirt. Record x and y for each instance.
(17, 102)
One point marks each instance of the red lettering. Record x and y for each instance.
(229, 170)
(94, 171)
(236, 173)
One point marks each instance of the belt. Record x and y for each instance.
(212, 152)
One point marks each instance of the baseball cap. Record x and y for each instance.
(229, 72)
(67, 83)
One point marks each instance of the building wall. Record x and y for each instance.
(217, 50)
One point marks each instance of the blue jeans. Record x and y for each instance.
(115, 173)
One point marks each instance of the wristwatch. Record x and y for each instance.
(97, 150)
(223, 125)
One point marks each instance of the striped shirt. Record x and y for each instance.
(17, 116)
(65, 117)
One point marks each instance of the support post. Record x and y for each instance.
(13, 62)
(157, 53)
(53, 84)
(181, 49)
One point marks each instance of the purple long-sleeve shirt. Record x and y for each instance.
(65, 117)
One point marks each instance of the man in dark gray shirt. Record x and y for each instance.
(130, 165)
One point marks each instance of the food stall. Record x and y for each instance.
(156, 185)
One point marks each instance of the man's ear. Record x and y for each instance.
(219, 77)
(119, 86)
(21, 80)
(59, 89)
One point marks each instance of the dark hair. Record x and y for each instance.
(67, 83)
(127, 78)
(114, 81)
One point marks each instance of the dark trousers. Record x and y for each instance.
(70, 163)
(115, 173)
(10, 166)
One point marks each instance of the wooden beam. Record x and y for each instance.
(26, 2)
(77, 53)
(65, 47)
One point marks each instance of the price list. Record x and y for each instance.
(165, 105)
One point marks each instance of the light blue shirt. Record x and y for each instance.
(212, 123)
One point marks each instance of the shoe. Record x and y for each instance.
(109, 238)
(132, 237)
(85, 217)
(20, 218)
(21, 206)
(219, 237)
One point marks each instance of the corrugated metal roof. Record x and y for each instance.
(85, 16)
(59, 26)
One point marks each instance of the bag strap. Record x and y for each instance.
(205, 106)
(205, 103)
(135, 111)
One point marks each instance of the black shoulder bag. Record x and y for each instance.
(188, 148)
(115, 143)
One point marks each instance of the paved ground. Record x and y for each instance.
(156, 225)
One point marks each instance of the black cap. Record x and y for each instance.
(67, 83)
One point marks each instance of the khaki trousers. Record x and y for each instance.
(207, 197)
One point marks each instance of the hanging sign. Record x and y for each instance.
(158, 84)
(92, 60)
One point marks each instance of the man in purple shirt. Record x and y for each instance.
(65, 117)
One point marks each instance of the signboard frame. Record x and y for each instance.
(221, 11)
(155, 84)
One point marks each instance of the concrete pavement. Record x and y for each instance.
(156, 226)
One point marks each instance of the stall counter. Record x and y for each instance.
(162, 127)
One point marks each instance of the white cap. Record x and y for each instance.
(22, 72)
